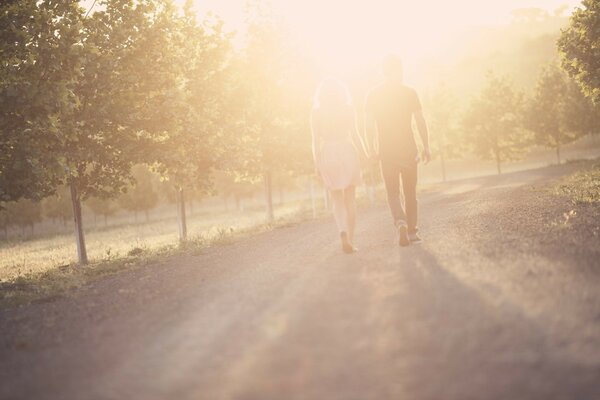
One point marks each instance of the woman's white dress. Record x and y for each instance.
(338, 164)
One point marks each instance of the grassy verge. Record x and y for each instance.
(55, 281)
(42, 269)
(582, 187)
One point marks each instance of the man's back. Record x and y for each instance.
(392, 106)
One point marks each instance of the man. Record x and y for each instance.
(390, 109)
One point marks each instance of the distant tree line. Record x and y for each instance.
(94, 106)
(86, 96)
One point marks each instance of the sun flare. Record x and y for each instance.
(344, 36)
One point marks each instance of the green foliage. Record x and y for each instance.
(142, 196)
(582, 116)
(112, 126)
(40, 60)
(4, 221)
(24, 213)
(579, 45)
(443, 122)
(558, 113)
(492, 124)
(100, 206)
(228, 184)
(545, 111)
(59, 205)
(274, 118)
(194, 111)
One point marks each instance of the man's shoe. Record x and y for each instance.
(414, 237)
(403, 239)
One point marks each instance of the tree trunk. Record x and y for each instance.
(135, 216)
(238, 203)
(105, 220)
(326, 197)
(181, 216)
(558, 153)
(147, 215)
(269, 195)
(498, 162)
(443, 160)
(79, 236)
(32, 227)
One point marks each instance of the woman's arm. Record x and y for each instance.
(357, 139)
(316, 149)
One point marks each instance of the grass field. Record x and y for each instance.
(31, 257)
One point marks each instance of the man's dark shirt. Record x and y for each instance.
(392, 105)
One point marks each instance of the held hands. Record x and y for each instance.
(426, 156)
(374, 157)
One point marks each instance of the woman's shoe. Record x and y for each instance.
(346, 245)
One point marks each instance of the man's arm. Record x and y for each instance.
(424, 134)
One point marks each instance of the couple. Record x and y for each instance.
(336, 144)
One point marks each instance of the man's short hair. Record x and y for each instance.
(392, 66)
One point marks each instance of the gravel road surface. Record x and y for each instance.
(501, 301)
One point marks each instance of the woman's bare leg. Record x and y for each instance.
(350, 203)
(339, 210)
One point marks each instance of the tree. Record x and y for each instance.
(196, 130)
(81, 89)
(100, 206)
(59, 205)
(578, 46)
(229, 184)
(443, 125)
(142, 195)
(25, 213)
(546, 111)
(114, 125)
(582, 116)
(274, 120)
(492, 123)
(4, 221)
(40, 44)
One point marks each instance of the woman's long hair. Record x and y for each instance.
(331, 94)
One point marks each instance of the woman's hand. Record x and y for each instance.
(426, 156)
(317, 162)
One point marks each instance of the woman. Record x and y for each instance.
(336, 144)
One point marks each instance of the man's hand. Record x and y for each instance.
(426, 156)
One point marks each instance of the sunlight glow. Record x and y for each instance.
(347, 35)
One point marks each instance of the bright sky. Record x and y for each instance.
(341, 32)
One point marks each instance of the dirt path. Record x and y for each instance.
(500, 302)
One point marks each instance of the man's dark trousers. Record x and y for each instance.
(393, 171)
